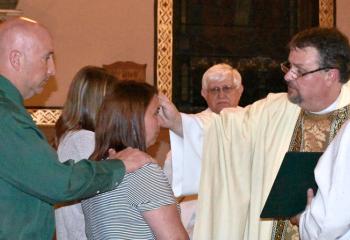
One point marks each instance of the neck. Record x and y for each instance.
(325, 98)
(328, 109)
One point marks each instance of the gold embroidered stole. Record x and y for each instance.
(312, 133)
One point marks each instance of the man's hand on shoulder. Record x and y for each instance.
(132, 158)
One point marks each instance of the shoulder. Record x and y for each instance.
(79, 136)
(273, 99)
(76, 145)
(16, 117)
(6, 113)
(150, 176)
(273, 103)
(273, 106)
(148, 188)
(8, 110)
(150, 170)
(343, 136)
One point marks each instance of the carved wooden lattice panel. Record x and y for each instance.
(326, 13)
(164, 46)
(45, 117)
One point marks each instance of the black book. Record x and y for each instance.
(288, 193)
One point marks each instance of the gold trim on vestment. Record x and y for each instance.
(283, 228)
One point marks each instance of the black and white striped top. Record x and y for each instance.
(117, 214)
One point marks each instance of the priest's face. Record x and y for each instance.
(306, 79)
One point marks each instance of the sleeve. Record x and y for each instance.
(29, 164)
(224, 192)
(168, 167)
(328, 215)
(186, 156)
(149, 188)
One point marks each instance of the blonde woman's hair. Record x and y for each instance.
(89, 87)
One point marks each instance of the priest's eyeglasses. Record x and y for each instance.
(216, 90)
(286, 66)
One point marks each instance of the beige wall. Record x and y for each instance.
(92, 32)
(101, 32)
(343, 16)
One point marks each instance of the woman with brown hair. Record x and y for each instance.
(143, 205)
(75, 136)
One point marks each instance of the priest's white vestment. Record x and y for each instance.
(241, 154)
(328, 216)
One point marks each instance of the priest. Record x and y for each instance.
(243, 148)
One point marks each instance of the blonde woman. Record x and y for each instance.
(75, 136)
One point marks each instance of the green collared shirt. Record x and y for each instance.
(31, 177)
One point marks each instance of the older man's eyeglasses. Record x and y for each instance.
(286, 66)
(216, 90)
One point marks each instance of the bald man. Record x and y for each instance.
(31, 177)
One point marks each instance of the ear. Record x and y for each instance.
(241, 88)
(204, 94)
(332, 76)
(15, 59)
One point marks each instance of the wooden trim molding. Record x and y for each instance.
(326, 13)
(164, 68)
(7, 13)
(45, 116)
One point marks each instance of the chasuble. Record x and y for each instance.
(242, 152)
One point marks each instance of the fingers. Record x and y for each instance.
(111, 152)
(310, 195)
(295, 220)
(163, 101)
(169, 116)
(162, 97)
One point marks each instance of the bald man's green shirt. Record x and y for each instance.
(31, 177)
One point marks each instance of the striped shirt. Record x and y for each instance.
(117, 214)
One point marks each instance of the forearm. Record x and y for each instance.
(34, 169)
(177, 126)
(165, 223)
(186, 157)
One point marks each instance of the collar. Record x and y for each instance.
(10, 91)
(328, 109)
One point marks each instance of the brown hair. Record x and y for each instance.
(332, 45)
(85, 96)
(120, 121)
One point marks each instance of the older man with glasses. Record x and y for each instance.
(221, 88)
(243, 149)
